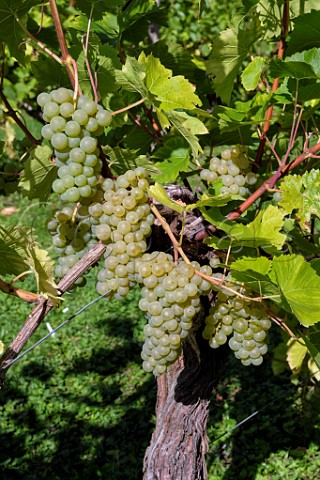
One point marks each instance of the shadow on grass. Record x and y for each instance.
(282, 424)
(90, 419)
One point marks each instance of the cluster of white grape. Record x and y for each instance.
(72, 128)
(170, 299)
(123, 222)
(233, 168)
(71, 237)
(247, 323)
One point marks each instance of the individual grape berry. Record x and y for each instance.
(104, 118)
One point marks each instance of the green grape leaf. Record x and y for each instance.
(132, 76)
(97, 8)
(314, 348)
(11, 33)
(42, 267)
(279, 359)
(301, 193)
(296, 353)
(280, 68)
(253, 272)
(188, 127)
(108, 62)
(306, 32)
(263, 231)
(300, 287)
(176, 158)
(170, 92)
(251, 74)
(229, 50)
(215, 201)
(13, 244)
(158, 193)
(256, 264)
(38, 174)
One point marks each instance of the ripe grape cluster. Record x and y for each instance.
(233, 168)
(72, 237)
(72, 128)
(170, 299)
(247, 323)
(123, 222)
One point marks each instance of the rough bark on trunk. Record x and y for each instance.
(179, 443)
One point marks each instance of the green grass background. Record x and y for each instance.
(79, 406)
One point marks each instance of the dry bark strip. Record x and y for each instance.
(44, 306)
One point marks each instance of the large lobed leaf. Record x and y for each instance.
(299, 285)
(301, 193)
(263, 231)
(229, 50)
(11, 32)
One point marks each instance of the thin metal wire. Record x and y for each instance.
(54, 330)
(254, 414)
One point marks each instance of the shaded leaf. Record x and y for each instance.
(306, 32)
(38, 174)
(11, 32)
(229, 50)
(295, 69)
(13, 244)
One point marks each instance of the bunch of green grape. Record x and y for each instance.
(233, 168)
(247, 323)
(72, 128)
(123, 222)
(170, 300)
(72, 237)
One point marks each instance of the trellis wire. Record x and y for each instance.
(54, 330)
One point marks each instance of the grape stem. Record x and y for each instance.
(281, 324)
(270, 182)
(37, 42)
(275, 85)
(85, 46)
(177, 247)
(167, 229)
(124, 109)
(66, 57)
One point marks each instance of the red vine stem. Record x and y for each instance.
(270, 182)
(275, 85)
(37, 42)
(66, 57)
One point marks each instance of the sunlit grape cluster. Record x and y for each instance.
(72, 128)
(246, 322)
(72, 237)
(233, 168)
(123, 222)
(170, 300)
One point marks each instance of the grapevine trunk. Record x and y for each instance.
(179, 443)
